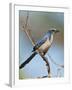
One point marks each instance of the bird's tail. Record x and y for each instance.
(27, 61)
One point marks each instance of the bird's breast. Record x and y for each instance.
(45, 46)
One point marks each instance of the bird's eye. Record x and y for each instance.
(53, 30)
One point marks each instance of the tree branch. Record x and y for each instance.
(59, 65)
(28, 33)
(48, 65)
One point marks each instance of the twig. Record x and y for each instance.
(62, 66)
(26, 30)
(43, 77)
(26, 21)
(58, 72)
(33, 43)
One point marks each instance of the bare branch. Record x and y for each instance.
(27, 20)
(43, 77)
(48, 65)
(58, 72)
(62, 66)
(28, 33)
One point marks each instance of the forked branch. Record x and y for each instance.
(28, 33)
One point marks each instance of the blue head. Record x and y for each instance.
(50, 32)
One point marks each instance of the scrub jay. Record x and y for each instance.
(42, 45)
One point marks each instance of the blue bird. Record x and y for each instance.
(42, 45)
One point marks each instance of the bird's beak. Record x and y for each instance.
(57, 31)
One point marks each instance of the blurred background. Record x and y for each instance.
(40, 23)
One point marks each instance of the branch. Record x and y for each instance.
(28, 33)
(48, 65)
(43, 77)
(58, 72)
(62, 66)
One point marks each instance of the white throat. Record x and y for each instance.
(51, 40)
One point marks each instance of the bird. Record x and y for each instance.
(42, 45)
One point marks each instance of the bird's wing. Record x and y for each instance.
(39, 43)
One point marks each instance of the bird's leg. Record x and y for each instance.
(41, 52)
